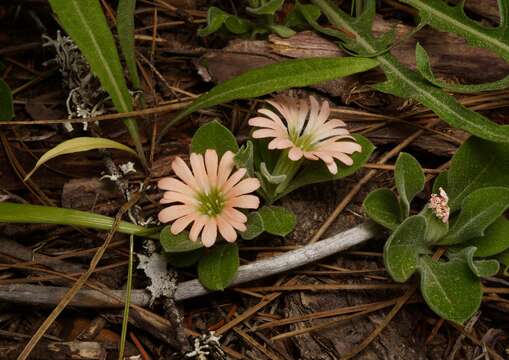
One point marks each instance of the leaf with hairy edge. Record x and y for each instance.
(317, 172)
(125, 28)
(382, 206)
(450, 288)
(218, 266)
(436, 229)
(481, 268)
(254, 226)
(85, 22)
(424, 67)
(78, 145)
(476, 164)
(6, 105)
(409, 178)
(277, 220)
(276, 77)
(478, 211)
(214, 135)
(269, 8)
(216, 18)
(402, 249)
(494, 241)
(409, 84)
(38, 214)
(444, 17)
(179, 243)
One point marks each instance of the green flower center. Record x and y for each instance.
(305, 142)
(212, 203)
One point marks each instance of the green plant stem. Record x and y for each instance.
(127, 301)
(287, 167)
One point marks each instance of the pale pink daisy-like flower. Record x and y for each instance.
(305, 129)
(438, 203)
(208, 195)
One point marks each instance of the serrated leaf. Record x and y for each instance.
(316, 172)
(214, 135)
(78, 145)
(38, 214)
(125, 28)
(409, 178)
(85, 22)
(450, 288)
(408, 84)
(481, 268)
(277, 220)
(276, 77)
(179, 243)
(218, 266)
(479, 209)
(402, 249)
(382, 206)
(448, 18)
(495, 239)
(268, 8)
(424, 67)
(440, 182)
(476, 164)
(254, 226)
(183, 260)
(6, 104)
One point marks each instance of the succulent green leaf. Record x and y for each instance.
(479, 209)
(440, 182)
(269, 8)
(409, 178)
(450, 288)
(214, 135)
(494, 241)
(179, 243)
(276, 77)
(382, 206)
(218, 266)
(125, 28)
(78, 145)
(317, 172)
(436, 229)
(277, 220)
(254, 226)
(6, 105)
(481, 268)
(476, 164)
(183, 260)
(504, 258)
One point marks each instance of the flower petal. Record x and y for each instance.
(183, 172)
(173, 196)
(234, 215)
(209, 233)
(180, 224)
(225, 168)
(265, 133)
(279, 143)
(263, 122)
(211, 163)
(295, 153)
(174, 212)
(245, 186)
(197, 227)
(199, 172)
(226, 230)
(244, 202)
(173, 184)
(234, 179)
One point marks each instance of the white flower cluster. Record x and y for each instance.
(438, 204)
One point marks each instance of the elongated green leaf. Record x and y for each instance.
(125, 27)
(269, 8)
(217, 267)
(441, 16)
(424, 67)
(85, 22)
(382, 206)
(450, 288)
(277, 220)
(495, 239)
(476, 164)
(179, 243)
(317, 172)
(402, 249)
(6, 106)
(37, 214)
(479, 210)
(214, 135)
(276, 77)
(406, 83)
(78, 145)
(409, 178)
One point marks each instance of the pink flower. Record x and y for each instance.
(439, 205)
(208, 197)
(306, 131)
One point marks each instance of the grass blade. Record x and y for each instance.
(127, 300)
(125, 28)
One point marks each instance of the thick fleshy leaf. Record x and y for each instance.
(218, 266)
(477, 163)
(185, 259)
(317, 172)
(450, 288)
(254, 226)
(38, 214)
(494, 241)
(481, 268)
(402, 249)
(85, 22)
(479, 210)
(214, 135)
(179, 243)
(78, 145)
(125, 27)
(382, 206)
(409, 178)
(6, 105)
(276, 77)
(277, 220)
(436, 228)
